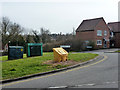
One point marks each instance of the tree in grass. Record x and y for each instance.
(10, 31)
(5, 24)
(45, 35)
(36, 36)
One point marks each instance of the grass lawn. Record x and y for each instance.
(118, 51)
(26, 66)
(4, 58)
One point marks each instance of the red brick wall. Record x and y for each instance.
(102, 26)
(92, 35)
(88, 35)
(117, 40)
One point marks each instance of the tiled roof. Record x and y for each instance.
(114, 26)
(89, 24)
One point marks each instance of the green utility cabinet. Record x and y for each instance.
(34, 49)
(15, 52)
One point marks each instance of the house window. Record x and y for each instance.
(105, 33)
(111, 34)
(99, 32)
(99, 42)
(86, 42)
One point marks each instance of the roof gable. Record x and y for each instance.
(89, 24)
(114, 26)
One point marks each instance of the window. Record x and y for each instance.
(86, 42)
(105, 33)
(111, 34)
(99, 42)
(99, 33)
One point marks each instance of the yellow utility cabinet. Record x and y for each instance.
(60, 54)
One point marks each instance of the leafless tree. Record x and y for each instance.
(36, 36)
(45, 35)
(4, 28)
(9, 31)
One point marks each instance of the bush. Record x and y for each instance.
(77, 45)
(91, 43)
(48, 47)
(4, 53)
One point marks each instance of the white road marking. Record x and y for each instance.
(110, 82)
(78, 85)
(91, 84)
(58, 87)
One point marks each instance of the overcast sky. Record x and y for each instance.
(58, 15)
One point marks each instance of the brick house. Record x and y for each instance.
(115, 34)
(95, 30)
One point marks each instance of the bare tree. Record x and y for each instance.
(36, 37)
(45, 35)
(4, 28)
(5, 25)
(9, 31)
(15, 29)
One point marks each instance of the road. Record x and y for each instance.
(99, 74)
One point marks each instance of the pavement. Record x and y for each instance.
(100, 74)
(101, 51)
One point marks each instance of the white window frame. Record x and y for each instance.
(99, 32)
(105, 33)
(112, 34)
(99, 41)
(86, 41)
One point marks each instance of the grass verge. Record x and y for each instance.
(32, 65)
(5, 58)
(118, 51)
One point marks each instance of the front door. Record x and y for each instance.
(105, 44)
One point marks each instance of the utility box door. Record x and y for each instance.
(15, 52)
(35, 50)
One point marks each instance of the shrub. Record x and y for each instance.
(4, 53)
(91, 43)
(49, 46)
(77, 45)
